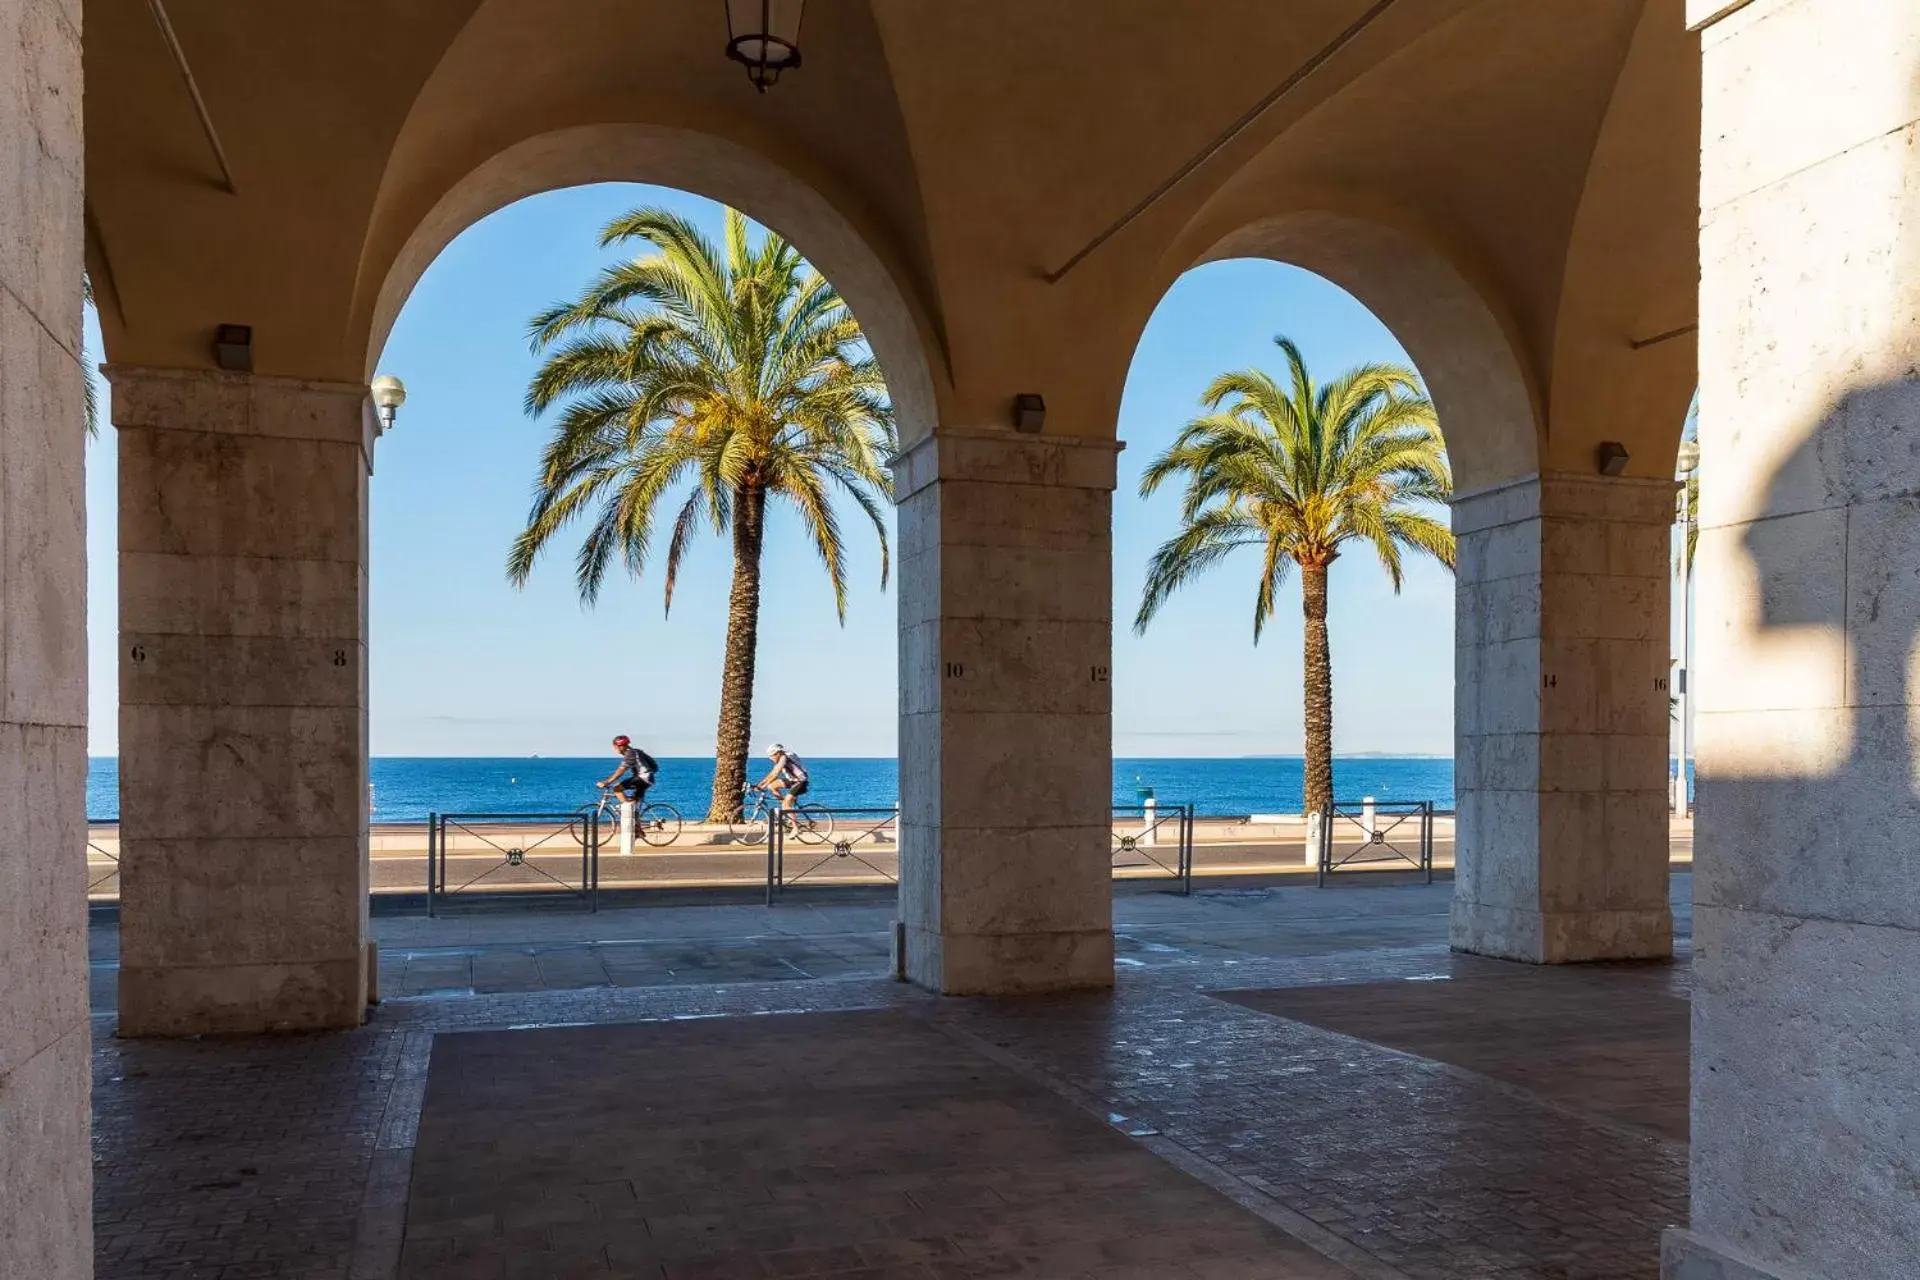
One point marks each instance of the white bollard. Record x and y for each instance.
(1150, 823)
(1312, 858)
(1368, 823)
(626, 828)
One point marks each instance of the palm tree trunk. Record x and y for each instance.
(743, 638)
(1319, 690)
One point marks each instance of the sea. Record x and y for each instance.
(408, 788)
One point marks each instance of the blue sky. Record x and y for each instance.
(464, 664)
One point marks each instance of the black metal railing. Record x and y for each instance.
(826, 850)
(512, 858)
(1373, 833)
(1154, 842)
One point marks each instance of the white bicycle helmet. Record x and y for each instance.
(776, 750)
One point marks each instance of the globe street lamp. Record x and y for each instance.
(764, 36)
(388, 393)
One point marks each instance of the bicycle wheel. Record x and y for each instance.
(812, 824)
(751, 826)
(658, 824)
(582, 819)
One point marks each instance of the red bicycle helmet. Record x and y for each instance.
(622, 741)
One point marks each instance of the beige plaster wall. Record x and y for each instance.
(1527, 145)
(46, 1211)
(896, 325)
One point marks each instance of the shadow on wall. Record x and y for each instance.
(1807, 880)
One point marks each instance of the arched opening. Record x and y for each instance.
(896, 325)
(1227, 734)
(531, 681)
(318, 632)
(1558, 684)
(1487, 402)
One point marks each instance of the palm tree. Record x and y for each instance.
(725, 377)
(89, 389)
(1295, 472)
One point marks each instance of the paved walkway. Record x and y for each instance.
(545, 856)
(1386, 1139)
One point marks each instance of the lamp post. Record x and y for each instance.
(764, 37)
(1687, 463)
(388, 393)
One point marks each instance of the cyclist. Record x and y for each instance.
(636, 772)
(788, 778)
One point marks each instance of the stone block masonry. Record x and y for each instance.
(1806, 1148)
(1561, 720)
(46, 1182)
(1006, 711)
(243, 720)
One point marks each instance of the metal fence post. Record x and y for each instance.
(770, 838)
(1426, 838)
(1186, 850)
(592, 855)
(433, 864)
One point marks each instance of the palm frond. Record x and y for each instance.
(695, 373)
(1300, 468)
(1200, 545)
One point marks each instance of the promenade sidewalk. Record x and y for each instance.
(483, 858)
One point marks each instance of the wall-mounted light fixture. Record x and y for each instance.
(764, 36)
(1029, 412)
(1611, 457)
(388, 393)
(1688, 460)
(233, 347)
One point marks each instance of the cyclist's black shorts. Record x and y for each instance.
(798, 789)
(633, 789)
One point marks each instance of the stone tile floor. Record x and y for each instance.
(866, 1145)
(291, 1157)
(1608, 1041)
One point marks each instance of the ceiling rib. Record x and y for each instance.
(1231, 132)
(161, 20)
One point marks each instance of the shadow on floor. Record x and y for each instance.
(1605, 1041)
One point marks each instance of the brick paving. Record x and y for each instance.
(290, 1157)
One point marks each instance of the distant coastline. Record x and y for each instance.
(408, 788)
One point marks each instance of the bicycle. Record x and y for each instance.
(656, 824)
(807, 823)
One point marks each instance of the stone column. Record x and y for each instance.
(243, 702)
(1561, 720)
(1806, 1011)
(1006, 713)
(46, 1183)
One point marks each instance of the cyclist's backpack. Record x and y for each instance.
(648, 763)
(799, 769)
